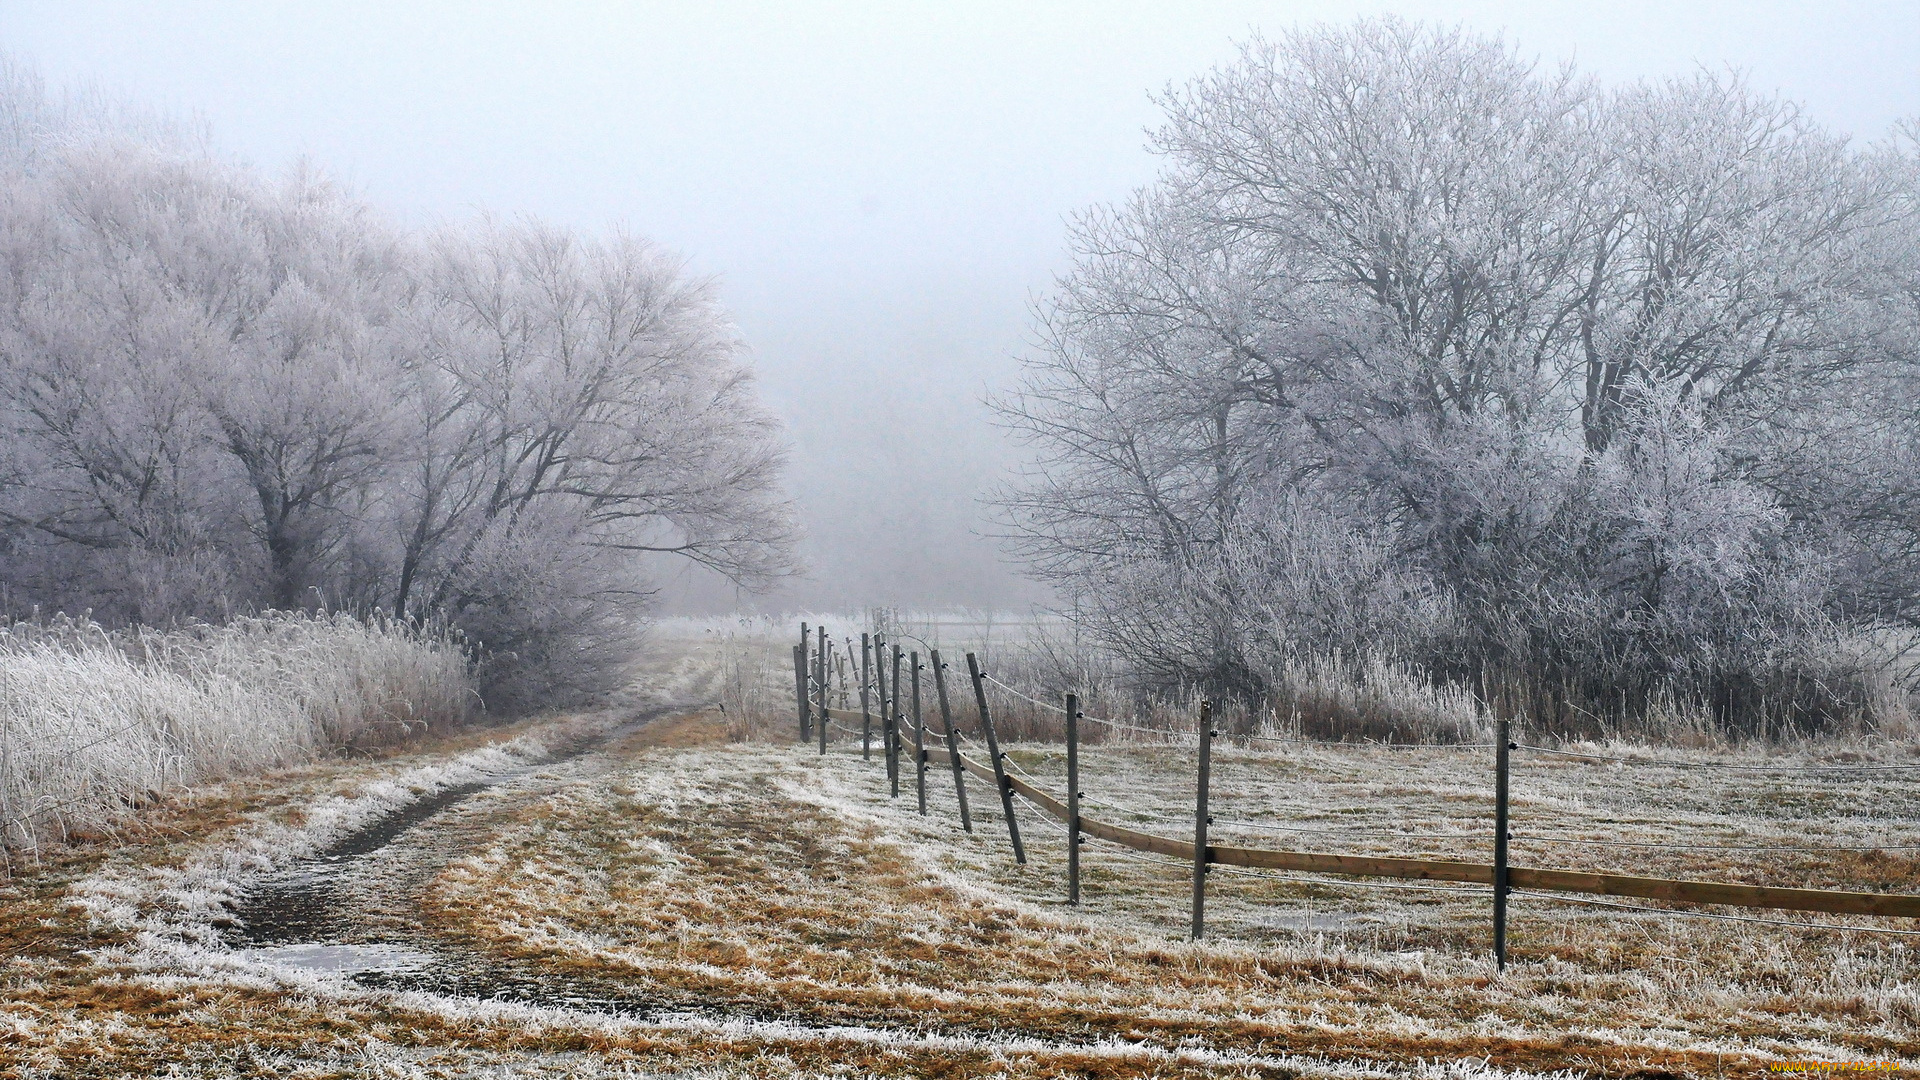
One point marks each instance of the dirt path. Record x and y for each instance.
(356, 907)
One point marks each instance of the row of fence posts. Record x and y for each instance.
(892, 718)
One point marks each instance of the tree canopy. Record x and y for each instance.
(1590, 396)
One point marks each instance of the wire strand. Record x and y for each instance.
(1015, 767)
(1670, 763)
(1101, 720)
(1149, 815)
(1353, 834)
(1170, 733)
(1714, 847)
(1458, 890)
(1235, 871)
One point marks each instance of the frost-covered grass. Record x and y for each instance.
(771, 877)
(93, 722)
(811, 926)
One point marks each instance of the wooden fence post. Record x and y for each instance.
(919, 738)
(866, 686)
(999, 761)
(800, 691)
(953, 739)
(1500, 838)
(893, 727)
(1073, 798)
(879, 693)
(806, 674)
(1201, 821)
(822, 683)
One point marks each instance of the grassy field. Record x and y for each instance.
(673, 901)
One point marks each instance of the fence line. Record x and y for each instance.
(1202, 854)
(1169, 733)
(1671, 889)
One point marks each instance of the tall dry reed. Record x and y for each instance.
(93, 722)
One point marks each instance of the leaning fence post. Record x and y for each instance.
(1201, 821)
(800, 690)
(953, 739)
(822, 681)
(919, 738)
(840, 658)
(999, 761)
(893, 727)
(1073, 798)
(866, 687)
(1500, 838)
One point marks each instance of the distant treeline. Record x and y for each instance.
(221, 393)
(1600, 401)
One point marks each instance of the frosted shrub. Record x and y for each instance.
(1372, 697)
(92, 721)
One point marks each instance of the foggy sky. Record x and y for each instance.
(880, 187)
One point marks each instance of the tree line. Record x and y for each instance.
(1598, 399)
(221, 391)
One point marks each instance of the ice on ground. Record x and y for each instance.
(340, 959)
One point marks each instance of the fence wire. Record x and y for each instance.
(1673, 763)
(1574, 841)
(1169, 733)
(1378, 834)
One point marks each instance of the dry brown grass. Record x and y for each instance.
(765, 878)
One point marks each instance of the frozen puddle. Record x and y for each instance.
(340, 959)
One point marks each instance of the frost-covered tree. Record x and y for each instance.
(220, 392)
(1562, 390)
(572, 403)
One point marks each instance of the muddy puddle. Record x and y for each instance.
(351, 910)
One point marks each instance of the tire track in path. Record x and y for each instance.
(354, 908)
